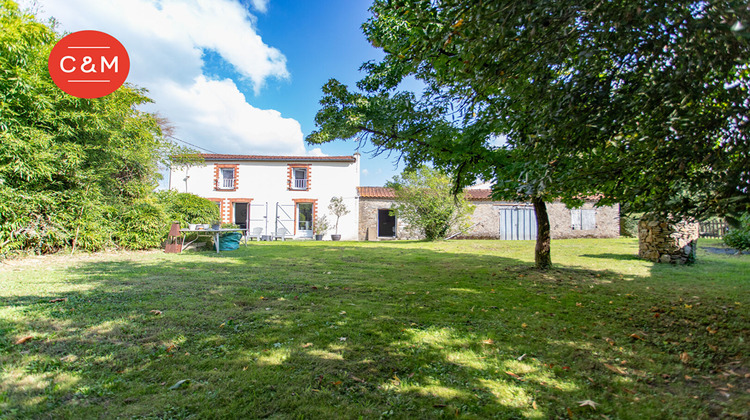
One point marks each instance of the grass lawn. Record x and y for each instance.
(462, 329)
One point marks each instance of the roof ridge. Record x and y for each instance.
(228, 156)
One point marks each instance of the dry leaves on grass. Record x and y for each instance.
(615, 369)
(24, 339)
(514, 375)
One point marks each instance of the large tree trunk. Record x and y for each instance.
(542, 252)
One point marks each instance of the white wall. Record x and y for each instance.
(266, 181)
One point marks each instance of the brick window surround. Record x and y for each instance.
(238, 200)
(314, 202)
(290, 176)
(217, 171)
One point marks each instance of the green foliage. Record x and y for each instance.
(427, 206)
(142, 225)
(629, 224)
(338, 208)
(186, 208)
(739, 238)
(70, 168)
(321, 225)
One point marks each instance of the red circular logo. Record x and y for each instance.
(88, 64)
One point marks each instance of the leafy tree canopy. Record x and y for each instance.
(641, 102)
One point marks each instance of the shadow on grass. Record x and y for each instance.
(320, 331)
(608, 256)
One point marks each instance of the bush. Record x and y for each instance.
(94, 229)
(739, 238)
(187, 208)
(629, 225)
(142, 225)
(31, 222)
(427, 206)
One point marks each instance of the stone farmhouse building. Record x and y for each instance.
(491, 219)
(270, 195)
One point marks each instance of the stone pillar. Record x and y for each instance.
(661, 241)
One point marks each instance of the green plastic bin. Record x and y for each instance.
(229, 241)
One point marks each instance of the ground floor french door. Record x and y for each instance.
(241, 215)
(304, 220)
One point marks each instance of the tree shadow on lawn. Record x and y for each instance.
(610, 256)
(330, 331)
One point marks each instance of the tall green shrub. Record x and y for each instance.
(186, 208)
(739, 238)
(72, 170)
(426, 204)
(629, 224)
(142, 225)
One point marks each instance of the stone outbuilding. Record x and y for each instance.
(491, 219)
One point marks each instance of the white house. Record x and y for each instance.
(275, 194)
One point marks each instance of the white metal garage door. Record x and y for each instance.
(517, 223)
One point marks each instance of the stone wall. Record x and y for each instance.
(660, 241)
(368, 220)
(486, 220)
(561, 227)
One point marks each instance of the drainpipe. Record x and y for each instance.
(187, 169)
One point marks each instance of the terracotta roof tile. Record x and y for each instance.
(478, 194)
(376, 192)
(212, 156)
(383, 192)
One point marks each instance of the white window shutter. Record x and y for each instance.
(588, 219)
(575, 219)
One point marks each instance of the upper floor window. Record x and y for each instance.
(226, 179)
(298, 177)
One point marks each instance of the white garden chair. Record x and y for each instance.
(257, 233)
(281, 233)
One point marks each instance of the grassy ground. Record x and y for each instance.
(368, 330)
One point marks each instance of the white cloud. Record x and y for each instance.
(316, 152)
(260, 5)
(217, 110)
(365, 172)
(166, 40)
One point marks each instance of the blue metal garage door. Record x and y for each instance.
(517, 223)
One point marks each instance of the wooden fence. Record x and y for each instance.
(713, 229)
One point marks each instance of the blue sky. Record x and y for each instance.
(236, 76)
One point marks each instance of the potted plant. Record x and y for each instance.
(338, 208)
(320, 227)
